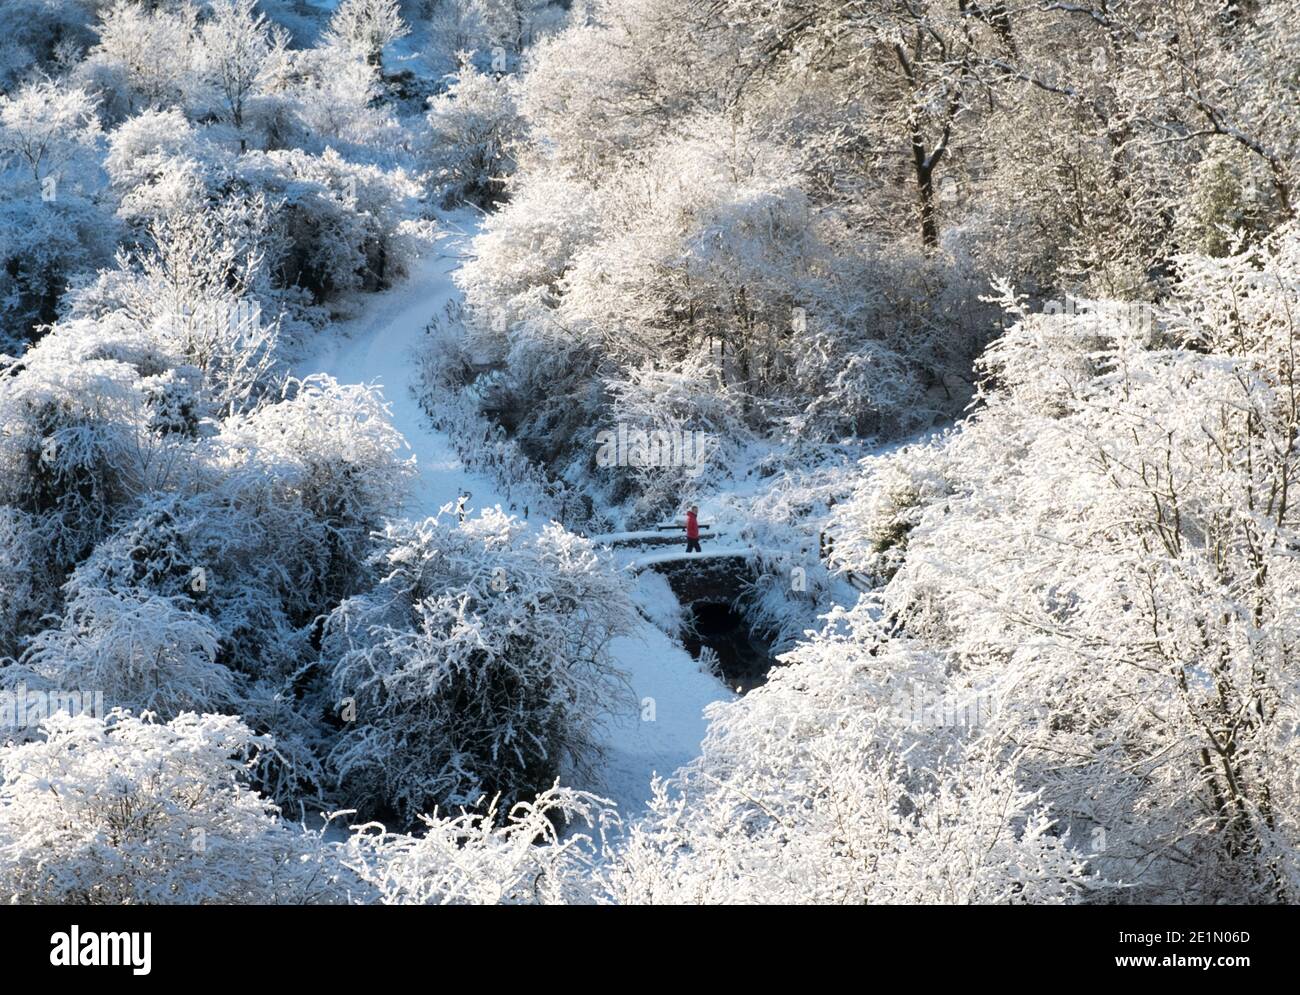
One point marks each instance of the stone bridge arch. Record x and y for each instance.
(718, 577)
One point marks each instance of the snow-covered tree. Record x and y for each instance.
(44, 126)
(155, 47)
(1110, 548)
(195, 292)
(314, 99)
(366, 28)
(473, 127)
(237, 41)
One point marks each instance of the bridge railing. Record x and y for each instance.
(647, 537)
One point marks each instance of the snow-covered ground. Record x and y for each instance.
(665, 732)
(664, 729)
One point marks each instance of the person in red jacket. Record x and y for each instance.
(693, 530)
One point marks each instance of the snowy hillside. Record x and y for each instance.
(649, 452)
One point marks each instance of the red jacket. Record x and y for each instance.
(692, 526)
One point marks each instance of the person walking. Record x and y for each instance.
(693, 530)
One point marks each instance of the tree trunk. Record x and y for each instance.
(924, 166)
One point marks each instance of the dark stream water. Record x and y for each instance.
(744, 659)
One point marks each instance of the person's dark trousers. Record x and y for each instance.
(693, 546)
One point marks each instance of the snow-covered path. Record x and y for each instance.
(379, 347)
(664, 730)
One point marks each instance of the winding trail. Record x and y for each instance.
(378, 346)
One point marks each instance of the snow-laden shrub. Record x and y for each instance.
(866, 388)
(25, 579)
(237, 578)
(45, 248)
(157, 164)
(73, 448)
(144, 652)
(328, 453)
(123, 810)
(477, 668)
(237, 48)
(491, 858)
(522, 251)
(331, 445)
(698, 253)
(152, 50)
(458, 400)
(619, 77)
(829, 785)
(473, 127)
(335, 225)
(320, 98)
(1048, 359)
(214, 556)
(139, 147)
(320, 223)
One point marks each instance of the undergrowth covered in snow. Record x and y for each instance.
(336, 346)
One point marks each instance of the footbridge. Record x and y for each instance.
(718, 574)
